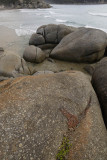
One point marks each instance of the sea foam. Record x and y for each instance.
(61, 20)
(98, 14)
(23, 32)
(103, 29)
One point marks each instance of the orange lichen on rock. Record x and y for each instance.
(72, 120)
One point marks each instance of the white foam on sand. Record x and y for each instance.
(23, 32)
(103, 29)
(27, 10)
(51, 12)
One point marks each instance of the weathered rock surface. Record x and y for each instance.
(54, 65)
(47, 47)
(47, 52)
(42, 72)
(50, 34)
(105, 52)
(36, 39)
(83, 45)
(90, 68)
(34, 54)
(99, 81)
(2, 78)
(36, 111)
(12, 65)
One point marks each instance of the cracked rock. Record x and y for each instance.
(34, 54)
(11, 65)
(83, 45)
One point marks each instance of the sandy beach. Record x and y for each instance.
(11, 42)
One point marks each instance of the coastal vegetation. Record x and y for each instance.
(23, 4)
(64, 149)
(77, 1)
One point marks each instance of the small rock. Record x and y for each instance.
(1, 49)
(36, 39)
(34, 54)
(11, 65)
(51, 60)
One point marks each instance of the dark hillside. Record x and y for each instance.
(23, 4)
(76, 1)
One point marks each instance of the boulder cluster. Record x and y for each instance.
(71, 44)
(55, 116)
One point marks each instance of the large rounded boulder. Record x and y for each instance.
(50, 34)
(99, 81)
(12, 65)
(36, 39)
(39, 115)
(42, 73)
(34, 54)
(83, 45)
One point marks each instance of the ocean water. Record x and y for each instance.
(26, 21)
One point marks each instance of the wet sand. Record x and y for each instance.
(11, 42)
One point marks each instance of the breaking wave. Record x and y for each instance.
(61, 20)
(47, 16)
(51, 12)
(98, 14)
(23, 32)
